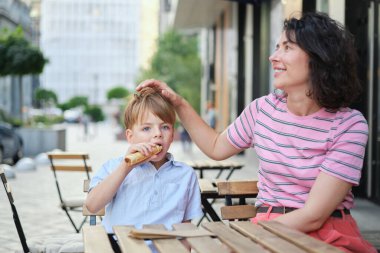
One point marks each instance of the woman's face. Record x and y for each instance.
(291, 66)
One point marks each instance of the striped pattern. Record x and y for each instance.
(292, 150)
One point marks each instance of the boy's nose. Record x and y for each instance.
(157, 133)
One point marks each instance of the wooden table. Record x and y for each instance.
(219, 166)
(237, 237)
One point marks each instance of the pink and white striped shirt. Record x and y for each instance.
(292, 149)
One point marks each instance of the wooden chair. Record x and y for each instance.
(86, 212)
(70, 162)
(241, 190)
(40, 244)
(16, 219)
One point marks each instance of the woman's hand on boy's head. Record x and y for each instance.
(166, 91)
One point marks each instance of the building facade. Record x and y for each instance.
(237, 37)
(91, 45)
(14, 13)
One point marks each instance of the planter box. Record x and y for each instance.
(39, 140)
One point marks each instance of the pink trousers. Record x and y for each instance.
(342, 233)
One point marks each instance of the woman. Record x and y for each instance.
(310, 144)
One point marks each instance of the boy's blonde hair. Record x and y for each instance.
(148, 100)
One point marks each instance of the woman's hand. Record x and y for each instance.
(166, 91)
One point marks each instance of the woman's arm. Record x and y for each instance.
(325, 196)
(213, 144)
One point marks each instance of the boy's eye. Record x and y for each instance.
(165, 127)
(146, 129)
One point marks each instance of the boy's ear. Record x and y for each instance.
(128, 134)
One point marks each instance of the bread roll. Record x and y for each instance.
(137, 157)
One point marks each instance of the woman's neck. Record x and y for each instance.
(301, 105)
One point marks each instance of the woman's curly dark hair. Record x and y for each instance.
(333, 58)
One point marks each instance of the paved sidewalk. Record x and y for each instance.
(36, 195)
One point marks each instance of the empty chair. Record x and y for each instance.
(241, 190)
(51, 244)
(64, 163)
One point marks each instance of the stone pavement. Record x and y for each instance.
(36, 195)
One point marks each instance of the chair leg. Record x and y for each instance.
(71, 220)
(20, 231)
(83, 222)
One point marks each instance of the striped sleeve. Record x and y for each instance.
(240, 132)
(345, 157)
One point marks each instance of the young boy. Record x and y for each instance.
(159, 190)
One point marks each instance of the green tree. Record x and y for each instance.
(177, 63)
(95, 112)
(117, 93)
(18, 58)
(73, 102)
(45, 97)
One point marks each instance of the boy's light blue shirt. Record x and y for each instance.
(166, 196)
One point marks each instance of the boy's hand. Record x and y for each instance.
(141, 152)
(173, 97)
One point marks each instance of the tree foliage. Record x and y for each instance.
(73, 102)
(18, 56)
(45, 97)
(117, 93)
(177, 63)
(95, 112)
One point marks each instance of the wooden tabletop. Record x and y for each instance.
(238, 237)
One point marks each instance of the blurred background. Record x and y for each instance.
(76, 62)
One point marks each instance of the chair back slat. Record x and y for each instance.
(72, 168)
(68, 156)
(238, 212)
(237, 187)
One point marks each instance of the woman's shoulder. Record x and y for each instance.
(347, 116)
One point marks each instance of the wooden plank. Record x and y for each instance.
(238, 212)
(167, 245)
(232, 238)
(206, 186)
(66, 155)
(96, 240)
(128, 244)
(237, 187)
(300, 239)
(204, 244)
(269, 240)
(72, 168)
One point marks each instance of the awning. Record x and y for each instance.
(198, 13)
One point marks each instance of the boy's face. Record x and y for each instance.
(153, 130)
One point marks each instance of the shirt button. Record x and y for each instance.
(155, 192)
